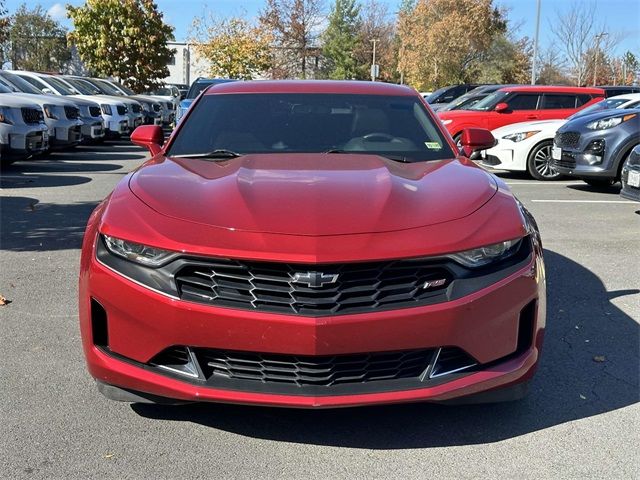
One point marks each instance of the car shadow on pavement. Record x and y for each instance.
(589, 366)
(28, 225)
(613, 189)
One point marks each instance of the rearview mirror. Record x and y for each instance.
(474, 139)
(502, 107)
(149, 136)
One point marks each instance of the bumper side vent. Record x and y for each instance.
(180, 360)
(99, 327)
(525, 327)
(450, 360)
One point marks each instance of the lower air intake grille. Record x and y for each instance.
(319, 371)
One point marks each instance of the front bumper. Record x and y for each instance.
(65, 133)
(631, 192)
(504, 156)
(22, 142)
(486, 324)
(92, 129)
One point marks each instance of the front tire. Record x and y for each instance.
(540, 164)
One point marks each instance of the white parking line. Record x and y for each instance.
(583, 201)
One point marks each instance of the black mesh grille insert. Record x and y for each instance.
(313, 370)
(156, 107)
(567, 139)
(72, 113)
(136, 108)
(121, 109)
(314, 289)
(32, 115)
(94, 111)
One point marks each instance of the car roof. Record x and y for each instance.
(312, 86)
(552, 89)
(626, 96)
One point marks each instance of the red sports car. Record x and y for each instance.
(311, 244)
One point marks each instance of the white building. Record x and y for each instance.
(186, 64)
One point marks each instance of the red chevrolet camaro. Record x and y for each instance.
(311, 244)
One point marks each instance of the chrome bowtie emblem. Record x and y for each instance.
(434, 283)
(315, 279)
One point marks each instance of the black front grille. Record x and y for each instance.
(122, 110)
(94, 111)
(566, 160)
(567, 139)
(313, 290)
(136, 108)
(156, 107)
(304, 371)
(171, 106)
(32, 115)
(72, 113)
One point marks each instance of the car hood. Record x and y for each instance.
(312, 194)
(579, 124)
(46, 99)
(10, 100)
(542, 125)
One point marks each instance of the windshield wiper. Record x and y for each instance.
(395, 158)
(214, 154)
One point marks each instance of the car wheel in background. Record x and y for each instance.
(539, 162)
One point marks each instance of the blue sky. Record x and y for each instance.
(621, 16)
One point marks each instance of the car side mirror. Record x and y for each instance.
(149, 136)
(474, 139)
(502, 107)
(47, 91)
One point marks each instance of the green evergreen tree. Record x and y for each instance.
(340, 40)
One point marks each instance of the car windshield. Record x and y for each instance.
(489, 102)
(85, 88)
(4, 89)
(60, 87)
(395, 126)
(162, 92)
(605, 104)
(434, 96)
(106, 87)
(17, 84)
(200, 85)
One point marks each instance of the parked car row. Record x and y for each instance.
(41, 112)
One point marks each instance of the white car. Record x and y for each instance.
(90, 109)
(23, 132)
(526, 146)
(61, 116)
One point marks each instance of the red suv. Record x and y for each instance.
(520, 104)
(311, 244)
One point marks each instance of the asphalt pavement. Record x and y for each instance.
(581, 419)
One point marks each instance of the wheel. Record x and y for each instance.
(599, 182)
(457, 139)
(540, 164)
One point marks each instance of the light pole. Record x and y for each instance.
(535, 46)
(595, 66)
(373, 61)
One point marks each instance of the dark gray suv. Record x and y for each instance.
(594, 147)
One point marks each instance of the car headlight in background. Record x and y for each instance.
(50, 111)
(137, 252)
(520, 136)
(610, 122)
(4, 116)
(481, 256)
(106, 109)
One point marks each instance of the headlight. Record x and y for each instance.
(50, 112)
(446, 122)
(136, 252)
(609, 122)
(106, 109)
(4, 115)
(518, 137)
(479, 257)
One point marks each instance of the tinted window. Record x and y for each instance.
(523, 101)
(582, 99)
(200, 85)
(20, 84)
(490, 101)
(60, 87)
(312, 123)
(558, 101)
